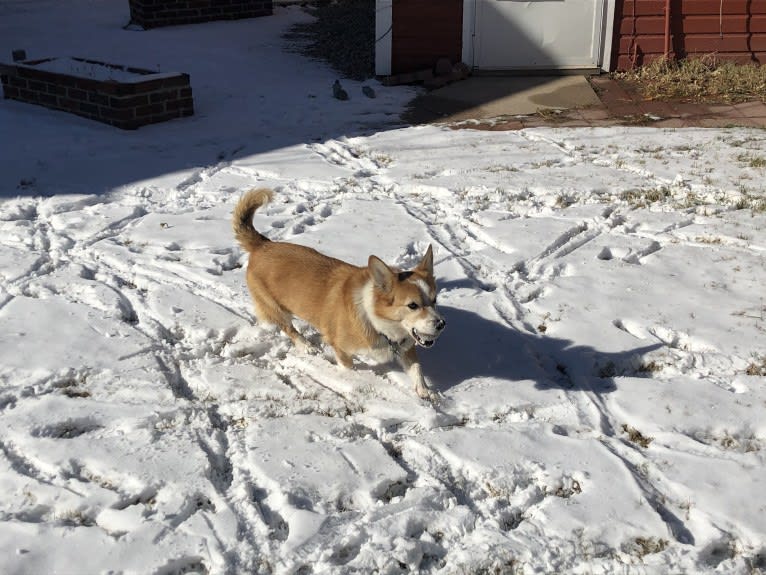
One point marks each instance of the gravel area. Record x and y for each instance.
(343, 35)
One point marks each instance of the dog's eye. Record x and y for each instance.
(413, 305)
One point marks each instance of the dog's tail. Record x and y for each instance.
(242, 219)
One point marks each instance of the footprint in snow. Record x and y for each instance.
(67, 429)
(629, 255)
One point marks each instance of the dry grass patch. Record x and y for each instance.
(755, 202)
(650, 545)
(552, 114)
(752, 160)
(757, 367)
(702, 80)
(641, 198)
(635, 436)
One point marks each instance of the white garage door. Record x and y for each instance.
(537, 34)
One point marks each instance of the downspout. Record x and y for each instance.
(667, 28)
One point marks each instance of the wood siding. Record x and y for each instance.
(424, 31)
(733, 30)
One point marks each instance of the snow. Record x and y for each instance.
(602, 367)
(94, 70)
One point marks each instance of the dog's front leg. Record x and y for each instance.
(411, 365)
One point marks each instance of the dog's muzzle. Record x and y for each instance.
(427, 340)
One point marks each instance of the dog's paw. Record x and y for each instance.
(343, 360)
(428, 394)
(303, 346)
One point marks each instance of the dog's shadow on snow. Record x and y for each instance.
(473, 346)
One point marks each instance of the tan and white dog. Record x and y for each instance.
(371, 310)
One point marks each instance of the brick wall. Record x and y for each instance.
(155, 13)
(127, 105)
(733, 30)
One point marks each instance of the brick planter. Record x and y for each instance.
(122, 96)
(156, 13)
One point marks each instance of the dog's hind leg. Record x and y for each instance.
(269, 311)
(282, 319)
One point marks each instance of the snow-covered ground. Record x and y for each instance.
(602, 368)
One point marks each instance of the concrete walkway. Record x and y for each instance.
(511, 103)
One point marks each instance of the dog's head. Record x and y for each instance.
(408, 298)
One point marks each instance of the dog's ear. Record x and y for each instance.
(382, 275)
(427, 263)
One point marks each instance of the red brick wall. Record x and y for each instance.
(125, 105)
(698, 27)
(424, 31)
(155, 13)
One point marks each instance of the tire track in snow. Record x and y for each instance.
(545, 267)
(446, 231)
(59, 250)
(625, 453)
(25, 467)
(213, 436)
(343, 153)
(652, 493)
(581, 394)
(450, 231)
(202, 175)
(222, 446)
(533, 275)
(584, 158)
(38, 240)
(198, 286)
(216, 440)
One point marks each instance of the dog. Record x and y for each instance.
(373, 310)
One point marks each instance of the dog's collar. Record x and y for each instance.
(395, 346)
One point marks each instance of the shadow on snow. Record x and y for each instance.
(473, 346)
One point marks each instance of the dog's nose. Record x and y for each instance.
(440, 325)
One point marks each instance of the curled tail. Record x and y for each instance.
(242, 219)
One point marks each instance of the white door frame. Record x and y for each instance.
(383, 32)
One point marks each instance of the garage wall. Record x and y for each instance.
(733, 29)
